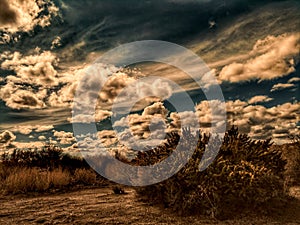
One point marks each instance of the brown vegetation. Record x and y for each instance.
(246, 174)
(42, 170)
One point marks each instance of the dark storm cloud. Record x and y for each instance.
(7, 15)
(135, 20)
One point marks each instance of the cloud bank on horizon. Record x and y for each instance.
(47, 46)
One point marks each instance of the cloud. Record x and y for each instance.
(35, 75)
(138, 131)
(99, 116)
(181, 119)
(294, 80)
(37, 69)
(24, 99)
(7, 14)
(27, 129)
(261, 122)
(149, 128)
(257, 121)
(270, 58)
(64, 138)
(56, 42)
(154, 109)
(42, 138)
(29, 145)
(281, 86)
(21, 15)
(119, 89)
(43, 128)
(259, 99)
(210, 115)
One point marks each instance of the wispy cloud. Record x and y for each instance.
(259, 99)
(282, 86)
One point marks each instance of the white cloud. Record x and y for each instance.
(259, 98)
(294, 80)
(43, 128)
(42, 138)
(37, 69)
(20, 15)
(35, 75)
(24, 99)
(27, 129)
(148, 129)
(64, 137)
(82, 118)
(261, 122)
(281, 86)
(270, 58)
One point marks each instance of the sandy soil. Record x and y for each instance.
(102, 206)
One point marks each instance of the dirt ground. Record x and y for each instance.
(102, 206)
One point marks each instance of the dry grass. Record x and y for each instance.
(85, 176)
(40, 170)
(23, 180)
(15, 180)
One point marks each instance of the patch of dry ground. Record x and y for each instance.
(102, 206)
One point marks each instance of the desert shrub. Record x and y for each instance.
(118, 190)
(59, 178)
(291, 153)
(245, 173)
(24, 180)
(37, 170)
(49, 157)
(85, 176)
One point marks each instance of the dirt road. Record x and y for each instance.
(102, 206)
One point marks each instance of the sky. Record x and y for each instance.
(48, 47)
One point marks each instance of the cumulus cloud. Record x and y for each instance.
(34, 76)
(259, 99)
(256, 120)
(282, 86)
(119, 89)
(19, 15)
(99, 116)
(138, 131)
(179, 119)
(270, 58)
(64, 137)
(29, 145)
(261, 122)
(42, 138)
(141, 131)
(43, 128)
(37, 69)
(24, 99)
(27, 129)
(211, 115)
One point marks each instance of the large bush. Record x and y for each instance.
(291, 152)
(245, 173)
